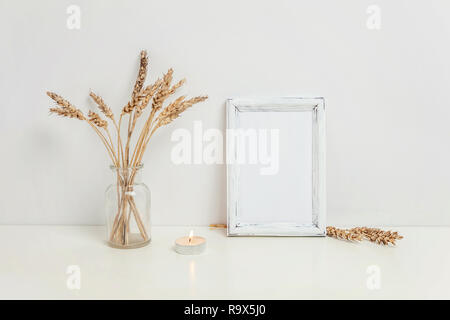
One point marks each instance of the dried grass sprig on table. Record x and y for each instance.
(355, 234)
(360, 233)
(122, 157)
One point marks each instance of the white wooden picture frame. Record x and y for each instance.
(287, 197)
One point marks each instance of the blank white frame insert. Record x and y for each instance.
(276, 167)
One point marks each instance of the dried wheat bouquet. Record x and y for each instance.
(146, 102)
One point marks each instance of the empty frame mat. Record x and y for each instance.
(276, 167)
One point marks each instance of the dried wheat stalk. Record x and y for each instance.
(122, 158)
(359, 233)
(355, 234)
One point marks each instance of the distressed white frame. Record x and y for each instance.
(317, 107)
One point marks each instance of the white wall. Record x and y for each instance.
(387, 94)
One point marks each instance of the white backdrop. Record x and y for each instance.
(387, 97)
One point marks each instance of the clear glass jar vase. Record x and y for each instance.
(127, 206)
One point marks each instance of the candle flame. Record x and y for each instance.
(191, 235)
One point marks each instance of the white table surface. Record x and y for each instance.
(34, 261)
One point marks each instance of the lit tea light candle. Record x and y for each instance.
(190, 245)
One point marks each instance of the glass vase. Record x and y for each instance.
(127, 207)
